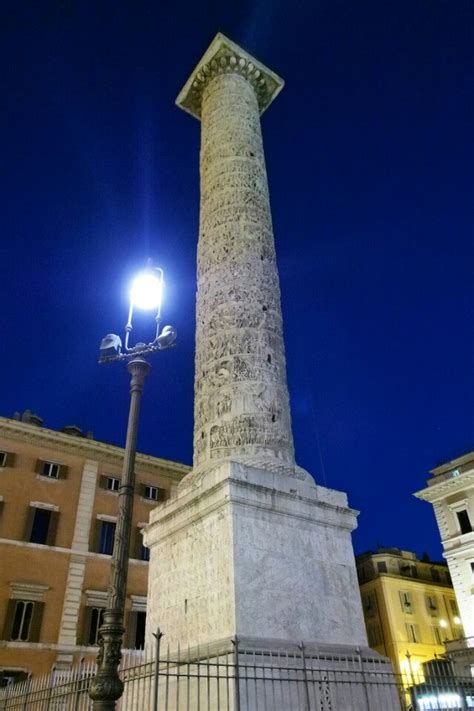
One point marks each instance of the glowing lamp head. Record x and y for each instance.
(443, 624)
(147, 291)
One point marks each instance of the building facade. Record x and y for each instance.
(450, 490)
(410, 608)
(59, 505)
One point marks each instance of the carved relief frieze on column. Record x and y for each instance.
(241, 397)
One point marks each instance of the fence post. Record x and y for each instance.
(305, 677)
(413, 694)
(27, 691)
(364, 681)
(157, 635)
(235, 642)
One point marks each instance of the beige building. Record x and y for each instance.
(58, 510)
(450, 490)
(409, 608)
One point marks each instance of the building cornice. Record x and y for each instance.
(87, 448)
(453, 464)
(438, 490)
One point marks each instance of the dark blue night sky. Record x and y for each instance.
(370, 158)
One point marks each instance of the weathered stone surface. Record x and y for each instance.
(241, 397)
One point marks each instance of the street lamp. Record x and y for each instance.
(146, 293)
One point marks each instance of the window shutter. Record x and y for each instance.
(141, 489)
(95, 536)
(29, 522)
(52, 528)
(86, 626)
(161, 494)
(103, 482)
(10, 460)
(63, 470)
(135, 543)
(39, 466)
(36, 620)
(130, 627)
(9, 617)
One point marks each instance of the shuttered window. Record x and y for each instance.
(7, 459)
(51, 470)
(23, 621)
(152, 493)
(41, 526)
(109, 483)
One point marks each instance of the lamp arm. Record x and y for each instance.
(128, 326)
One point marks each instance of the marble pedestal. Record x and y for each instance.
(266, 558)
(255, 554)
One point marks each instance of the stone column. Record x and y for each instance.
(241, 407)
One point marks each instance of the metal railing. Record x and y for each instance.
(235, 678)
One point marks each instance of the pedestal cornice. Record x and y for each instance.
(223, 57)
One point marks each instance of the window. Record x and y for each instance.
(6, 459)
(96, 618)
(374, 635)
(370, 604)
(50, 469)
(11, 676)
(408, 570)
(454, 608)
(152, 493)
(106, 537)
(41, 525)
(437, 635)
(435, 576)
(113, 483)
(109, 483)
(144, 552)
(382, 566)
(464, 521)
(139, 631)
(136, 623)
(406, 602)
(432, 604)
(413, 632)
(23, 621)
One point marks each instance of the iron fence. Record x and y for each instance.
(235, 678)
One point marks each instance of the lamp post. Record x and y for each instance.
(146, 293)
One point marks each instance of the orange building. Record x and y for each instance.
(58, 510)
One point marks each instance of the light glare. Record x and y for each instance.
(147, 291)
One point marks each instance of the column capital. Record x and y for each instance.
(222, 57)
